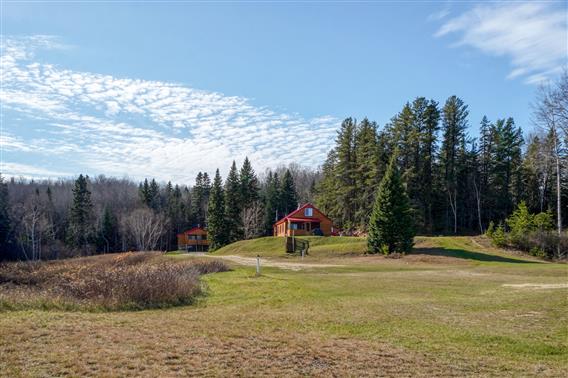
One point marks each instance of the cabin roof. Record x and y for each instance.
(193, 230)
(292, 218)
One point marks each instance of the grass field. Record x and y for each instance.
(455, 307)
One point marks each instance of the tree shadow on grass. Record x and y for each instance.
(469, 255)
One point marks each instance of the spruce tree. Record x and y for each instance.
(366, 171)
(288, 195)
(216, 226)
(4, 217)
(233, 205)
(198, 199)
(271, 202)
(454, 122)
(80, 231)
(108, 233)
(391, 226)
(249, 184)
(344, 174)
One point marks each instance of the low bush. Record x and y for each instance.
(110, 282)
(532, 233)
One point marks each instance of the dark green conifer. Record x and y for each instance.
(216, 227)
(391, 227)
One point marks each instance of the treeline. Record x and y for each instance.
(64, 218)
(456, 183)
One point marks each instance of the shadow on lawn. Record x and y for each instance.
(462, 254)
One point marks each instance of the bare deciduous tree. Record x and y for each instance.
(551, 115)
(146, 227)
(252, 218)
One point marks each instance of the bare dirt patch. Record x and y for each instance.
(537, 286)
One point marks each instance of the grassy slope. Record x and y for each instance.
(274, 246)
(425, 314)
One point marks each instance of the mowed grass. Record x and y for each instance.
(275, 246)
(442, 311)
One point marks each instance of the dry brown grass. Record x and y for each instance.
(110, 282)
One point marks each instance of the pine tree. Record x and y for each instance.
(271, 201)
(198, 199)
(366, 171)
(345, 172)
(249, 184)
(5, 222)
(427, 173)
(108, 233)
(81, 218)
(144, 192)
(454, 121)
(216, 225)
(233, 207)
(155, 201)
(391, 226)
(288, 195)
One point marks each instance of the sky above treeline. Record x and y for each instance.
(167, 89)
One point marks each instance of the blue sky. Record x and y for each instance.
(167, 89)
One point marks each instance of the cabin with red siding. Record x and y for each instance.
(303, 221)
(194, 240)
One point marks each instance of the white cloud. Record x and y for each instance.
(10, 169)
(533, 35)
(145, 128)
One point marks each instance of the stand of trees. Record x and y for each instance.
(455, 183)
(57, 219)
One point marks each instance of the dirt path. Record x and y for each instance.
(537, 286)
(251, 261)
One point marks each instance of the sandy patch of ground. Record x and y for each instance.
(538, 286)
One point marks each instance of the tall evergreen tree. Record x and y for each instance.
(108, 232)
(345, 172)
(81, 228)
(249, 184)
(391, 226)
(216, 225)
(288, 196)
(366, 171)
(233, 206)
(428, 149)
(454, 122)
(271, 201)
(198, 199)
(5, 222)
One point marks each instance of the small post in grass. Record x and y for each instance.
(257, 265)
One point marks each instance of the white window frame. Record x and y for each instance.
(309, 212)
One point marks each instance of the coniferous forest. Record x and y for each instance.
(455, 179)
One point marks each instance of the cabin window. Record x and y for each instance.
(294, 226)
(308, 212)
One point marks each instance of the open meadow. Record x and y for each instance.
(455, 307)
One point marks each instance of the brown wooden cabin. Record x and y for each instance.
(303, 221)
(193, 240)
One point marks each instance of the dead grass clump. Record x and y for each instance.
(111, 282)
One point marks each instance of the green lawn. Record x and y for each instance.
(446, 310)
(275, 246)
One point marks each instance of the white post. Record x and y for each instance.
(258, 265)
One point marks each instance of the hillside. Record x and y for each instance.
(321, 248)
(274, 246)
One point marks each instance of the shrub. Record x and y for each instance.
(490, 230)
(112, 282)
(499, 237)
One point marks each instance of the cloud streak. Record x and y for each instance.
(532, 35)
(142, 128)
